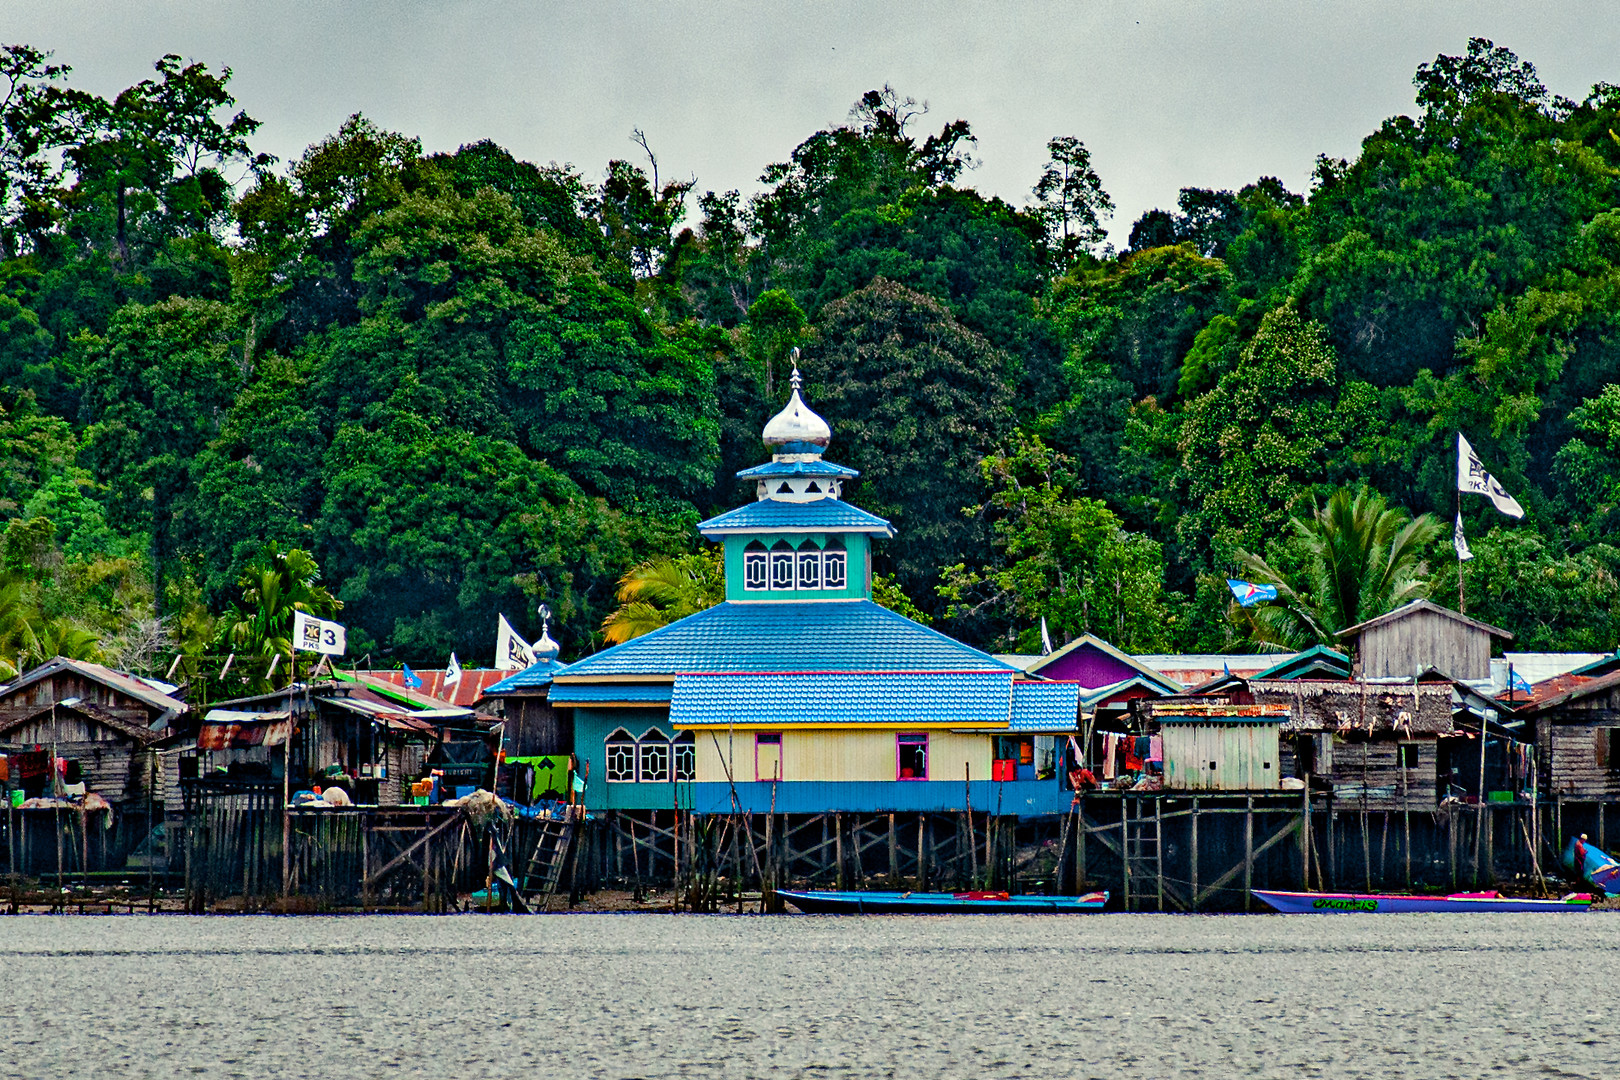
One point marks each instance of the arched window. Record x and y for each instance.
(755, 574)
(782, 560)
(834, 565)
(809, 566)
(654, 757)
(621, 757)
(685, 747)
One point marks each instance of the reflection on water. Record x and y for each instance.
(964, 996)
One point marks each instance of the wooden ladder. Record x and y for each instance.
(1143, 855)
(546, 864)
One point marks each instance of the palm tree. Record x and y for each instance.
(19, 639)
(660, 591)
(1360, 559)
(274, 585)
(59, 637)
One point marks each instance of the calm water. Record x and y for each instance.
(655, 996)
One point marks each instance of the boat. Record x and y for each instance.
(932, 903)
(1299, 903)
(1592, 863)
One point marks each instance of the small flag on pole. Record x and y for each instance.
(1518, 683)
(512, 653)
(317, 635)
(452, 674)
(1472, 478)
(1046, 638)
(1460, 542)
(412, 679)
(1249, 594)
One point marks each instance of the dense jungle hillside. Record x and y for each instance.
(466, 384)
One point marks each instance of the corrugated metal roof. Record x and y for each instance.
(475, 682)
(817, 467)
(841, 697)
(601, 693)
(769, 515)
(837, 635)
(1045, 706)
(129, 685)
(1199, 712)
(536, 676)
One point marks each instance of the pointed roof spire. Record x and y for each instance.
(797, 423)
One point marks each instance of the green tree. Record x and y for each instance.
(1065, 559)
(666, 589)
(1072, 200)
(1353, 558)
(274, 585)
(916, 400)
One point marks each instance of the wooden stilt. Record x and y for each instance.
(894, 856)
(922, 852)
(1248, 854)
(838, 852)
(1192, 851)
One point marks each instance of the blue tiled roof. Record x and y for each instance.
(1051, 706)
(536, 676)
(889, 697)
(798, 468)
(597, 693)
(769, 515)
(836, 635)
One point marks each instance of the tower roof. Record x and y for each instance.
(797, 423)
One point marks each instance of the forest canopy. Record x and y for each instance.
(463, 383)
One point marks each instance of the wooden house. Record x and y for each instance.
(366, 736)
(1422, 635)
(102, 721)
(104, 727)
(1575, 720)
(1220, 746)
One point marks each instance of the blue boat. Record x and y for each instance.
(1321, 903)
(928, 903)
(1592, 863)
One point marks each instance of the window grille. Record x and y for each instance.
(833, 569)
(654, 759)
(685, 757)
(621, 758)
(809, 567)
(754, 567)
(782, 560)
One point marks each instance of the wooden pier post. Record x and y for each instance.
(922, 852)
(1248, 853)
(894, 856)
(1192, 853)
(1079, 845)
(838, 849)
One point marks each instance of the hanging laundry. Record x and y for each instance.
(1110, 744)
(1135, 750)
(1156, 748)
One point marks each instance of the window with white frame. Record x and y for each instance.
(782, 560)
(755, 571)
(685, 747)
(809, 566)
(834, 565)
(654, 754)
(621, 757)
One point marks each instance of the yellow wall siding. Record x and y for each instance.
(855, 755)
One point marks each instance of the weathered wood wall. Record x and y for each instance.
(1369, 773)
(1246, 757)
(1405, 646)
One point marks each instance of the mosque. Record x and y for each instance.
(799, 694)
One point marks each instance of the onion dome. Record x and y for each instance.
(797, 429)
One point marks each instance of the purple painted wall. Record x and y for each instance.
(1088, 666)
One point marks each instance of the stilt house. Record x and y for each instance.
(798, 694)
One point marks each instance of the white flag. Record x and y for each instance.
(1046, 638)
(512, 653)
(317, 635)
(1460, 542)
(1472, 478)
(452, 674)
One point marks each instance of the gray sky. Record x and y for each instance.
(1166, 94)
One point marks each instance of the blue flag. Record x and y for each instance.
(1249, 594)
(412, 679)
(1517, 683)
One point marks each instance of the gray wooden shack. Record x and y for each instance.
(1423, 635)
(1576, 719)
